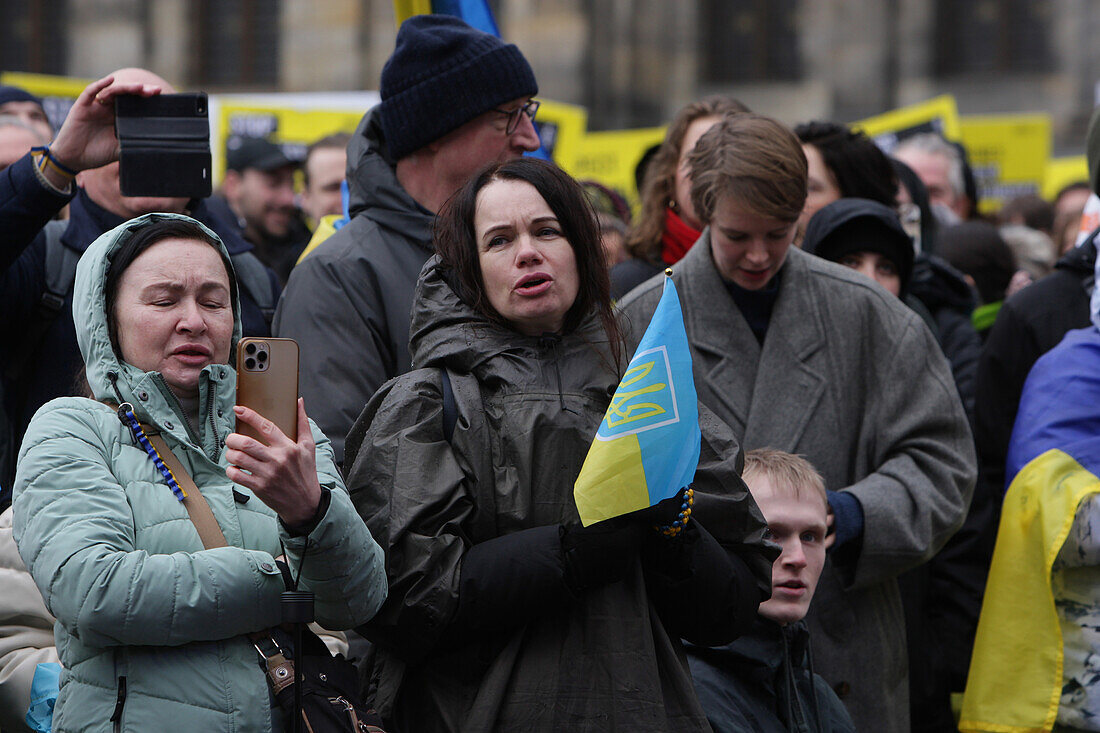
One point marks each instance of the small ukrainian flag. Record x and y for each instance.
(647, 446)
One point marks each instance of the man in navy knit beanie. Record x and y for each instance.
(454, 99)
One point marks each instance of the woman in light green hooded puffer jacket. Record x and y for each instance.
(151, 628)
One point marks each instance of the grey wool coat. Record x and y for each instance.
(854, 381)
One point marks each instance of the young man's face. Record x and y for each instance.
(797, 524)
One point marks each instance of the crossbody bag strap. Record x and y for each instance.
(280, 669)
(209, 531)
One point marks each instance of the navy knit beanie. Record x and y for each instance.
(442, 74)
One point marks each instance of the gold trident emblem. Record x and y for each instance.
(620, 413)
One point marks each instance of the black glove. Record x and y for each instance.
(663, 513)
(601, 553)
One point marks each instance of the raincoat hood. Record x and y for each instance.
(90, 309)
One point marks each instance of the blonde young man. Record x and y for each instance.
(765, 681)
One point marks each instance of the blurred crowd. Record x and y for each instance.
(880, 479)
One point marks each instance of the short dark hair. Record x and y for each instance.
(753, 158)
(456, 241)
(860, 168)
(1031, 210)
(142, 238)
(977, 249)
(337, 140)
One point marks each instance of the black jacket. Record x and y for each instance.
(1029, 324)
(764, 682)
(628, 275)
(348, 302)
(950, 300)
(942, 599)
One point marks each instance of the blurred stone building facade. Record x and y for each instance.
(631, 62)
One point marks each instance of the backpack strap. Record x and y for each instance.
(60, 274)
(253, 277)
(450, 411)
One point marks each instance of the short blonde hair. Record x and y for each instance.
(787, 472)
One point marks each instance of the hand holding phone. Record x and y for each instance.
(272, 451)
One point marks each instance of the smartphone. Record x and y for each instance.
(164, 145)
(267, 382)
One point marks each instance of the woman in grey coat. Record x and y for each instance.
(809, 357)
(504, 613)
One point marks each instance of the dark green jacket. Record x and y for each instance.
(473, 522)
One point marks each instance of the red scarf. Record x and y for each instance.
(677, 238)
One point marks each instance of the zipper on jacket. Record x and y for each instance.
(120, 702)
(210, 391)
(549, 342)
(192, 431)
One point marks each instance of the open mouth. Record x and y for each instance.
(791, 585)
(534, 283)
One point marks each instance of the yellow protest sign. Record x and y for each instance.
(560, 127)
(939, 115)
(291, 120)
(1008, 154)
(611, 157)
(1060, 172)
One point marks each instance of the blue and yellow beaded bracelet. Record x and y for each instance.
(677, 526)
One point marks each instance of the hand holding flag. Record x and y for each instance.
(647, 446)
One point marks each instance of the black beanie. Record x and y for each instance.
(442, 74)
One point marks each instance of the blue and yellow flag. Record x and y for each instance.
(647, 447)
(476, 13)
(1016, 670)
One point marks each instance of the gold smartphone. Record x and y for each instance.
(267, 382)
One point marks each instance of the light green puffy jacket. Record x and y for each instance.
(121, 566)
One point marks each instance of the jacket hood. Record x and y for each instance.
(373, 189)
(860, 225)
(89, 309)
(446, 331)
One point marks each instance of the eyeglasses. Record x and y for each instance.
(514, 115)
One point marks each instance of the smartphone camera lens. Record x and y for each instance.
(262, 356)
(250, 349)
(250, 363)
